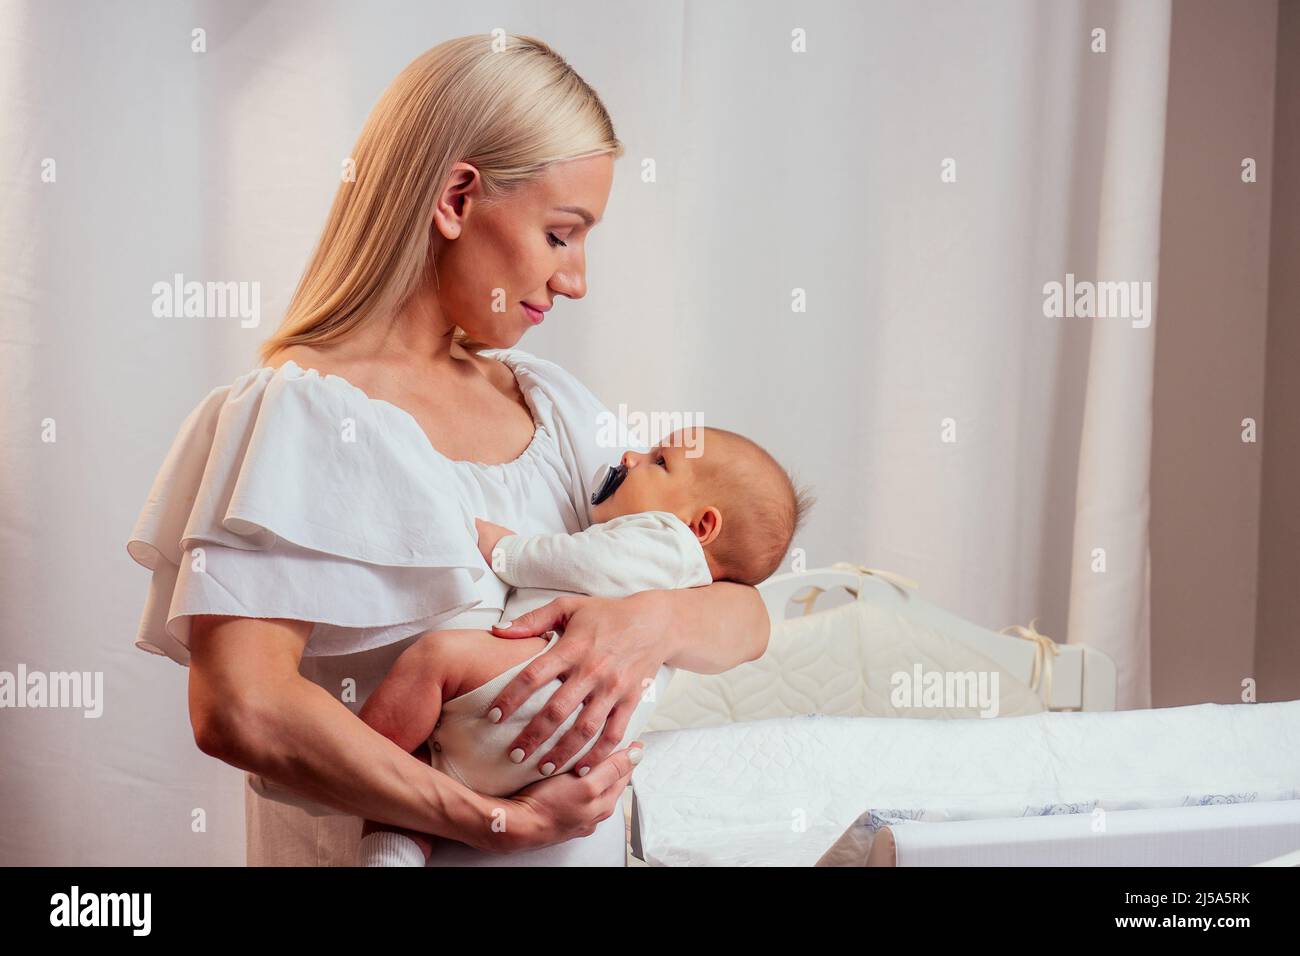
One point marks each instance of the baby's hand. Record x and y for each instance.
(488, 536)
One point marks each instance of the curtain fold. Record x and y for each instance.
(1110, 602)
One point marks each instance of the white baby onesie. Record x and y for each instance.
(627, 554)
(650, 550)
(469, 747)
(638, 552)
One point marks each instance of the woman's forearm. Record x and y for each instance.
(715, 628)
(251, 708)
(304, 739)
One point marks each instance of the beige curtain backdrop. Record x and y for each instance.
(757, 178)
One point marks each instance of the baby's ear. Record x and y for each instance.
(708, 525)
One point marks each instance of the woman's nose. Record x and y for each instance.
(572, 281)
(569, 285)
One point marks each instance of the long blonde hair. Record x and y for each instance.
(510, 106)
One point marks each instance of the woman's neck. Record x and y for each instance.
(419, 331)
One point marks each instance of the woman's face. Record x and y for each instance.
(496, 262)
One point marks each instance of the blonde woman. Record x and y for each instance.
(317, 515)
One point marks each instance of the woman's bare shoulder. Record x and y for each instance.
(362, 372)
(324, 360)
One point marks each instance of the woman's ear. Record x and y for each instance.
(463, 188)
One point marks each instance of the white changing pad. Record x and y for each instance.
(781, 791)
(1218, 834)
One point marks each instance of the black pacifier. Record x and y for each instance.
(607, 481)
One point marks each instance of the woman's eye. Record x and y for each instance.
(555, 241)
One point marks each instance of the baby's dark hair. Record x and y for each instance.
(763, 507)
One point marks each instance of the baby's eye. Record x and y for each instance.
(555, 241)
(661, 462)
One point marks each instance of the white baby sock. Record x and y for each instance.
(386, 848)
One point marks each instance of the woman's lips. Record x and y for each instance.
(534, 315)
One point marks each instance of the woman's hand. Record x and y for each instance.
(561, 808)
(609, 652)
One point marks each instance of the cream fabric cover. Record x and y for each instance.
(839, 662)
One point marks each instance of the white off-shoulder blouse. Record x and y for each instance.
(291, 494)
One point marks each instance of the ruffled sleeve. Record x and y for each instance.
(292, 495)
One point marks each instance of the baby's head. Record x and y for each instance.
(741, 504)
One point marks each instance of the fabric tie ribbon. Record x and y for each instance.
(897, 580)
(1044, 650)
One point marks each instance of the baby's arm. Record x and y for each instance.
(631, 553)
(404, 708)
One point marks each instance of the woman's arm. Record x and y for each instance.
(715, 628)
(612, 649)
(250, 707)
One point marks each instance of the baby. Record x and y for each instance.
(706, 505)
